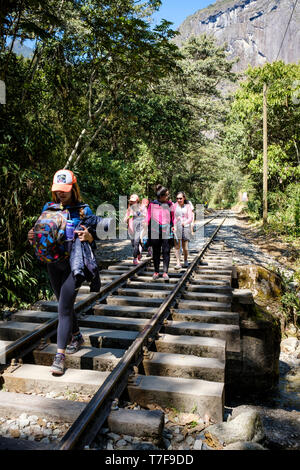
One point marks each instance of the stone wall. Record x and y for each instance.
(256, 368)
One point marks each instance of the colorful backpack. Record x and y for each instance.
(49, 234)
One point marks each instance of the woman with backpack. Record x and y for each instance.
(65, 191)
(160, 221)
(182, 227)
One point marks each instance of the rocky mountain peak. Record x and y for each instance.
(252, 29)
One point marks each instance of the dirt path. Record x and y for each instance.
(111, 251)
(249, 246)
(279, 248)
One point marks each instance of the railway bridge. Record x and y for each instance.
(188, 344)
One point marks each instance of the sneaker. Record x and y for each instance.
(165, 276)
(185, 264)
(155, 276)
(139, 257)
(178, 266)
(76, 343)
(58, 366)
(135, 261)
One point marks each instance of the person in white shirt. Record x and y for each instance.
(183, 219)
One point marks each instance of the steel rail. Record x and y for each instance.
(92, 418)
(19, 347)
(22, 346)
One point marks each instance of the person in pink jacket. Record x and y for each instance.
(183, 218)
(160, 222)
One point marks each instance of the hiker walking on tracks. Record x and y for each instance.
(135, 217)
(182, 224)
(160, 230)
(65, 218)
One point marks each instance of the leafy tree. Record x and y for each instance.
(89, 56)
(283, 121)
(200, 88)
(244, 137)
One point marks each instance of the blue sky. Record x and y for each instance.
(177, 10)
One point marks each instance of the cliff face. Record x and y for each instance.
(252, 29)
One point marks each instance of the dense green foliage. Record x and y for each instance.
(107, 96)
(242, 154)
(243, 143)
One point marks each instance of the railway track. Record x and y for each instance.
(161, 342)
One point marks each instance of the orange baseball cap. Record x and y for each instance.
(63, 180)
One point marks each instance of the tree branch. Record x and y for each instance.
(37, 56)
(92, 139)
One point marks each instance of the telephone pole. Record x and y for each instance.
(265, 158)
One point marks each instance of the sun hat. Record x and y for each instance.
(134, 198)
(63, 180)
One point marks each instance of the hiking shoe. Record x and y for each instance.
(135, 262)
(178, 266)
(76, 343)
(58, 366)
(165, 276)
(155, 276)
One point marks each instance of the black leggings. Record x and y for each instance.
(135, 238)
(158, 246)
(63, 284)
(136, 247)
